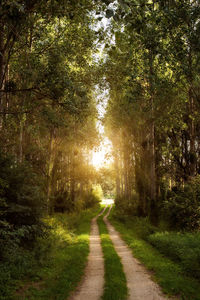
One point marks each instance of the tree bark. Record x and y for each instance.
(21, 131)
(117, 178)
(2, 67)
(49, 169)
(152, 136)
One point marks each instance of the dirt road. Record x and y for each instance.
(139, 282)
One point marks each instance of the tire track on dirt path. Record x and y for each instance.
(139, 282)
(92, 285)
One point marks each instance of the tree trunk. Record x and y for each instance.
(49, 170)
(152, 157)
(117, 178)
(72, 178)
(2, 67)
(152, 137)
(193, 158)
(21, 134)
(191, 104)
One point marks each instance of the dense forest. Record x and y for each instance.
(58, 60)
(153, 113)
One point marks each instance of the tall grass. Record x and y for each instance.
(64, 262)
(183, 248)
(170, 274)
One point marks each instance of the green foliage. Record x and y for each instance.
(170, 275)
(65, 259)
(142, 226)
(22, 204)
(152, 114)
(182, 207)
(183, 248)
(127, 206)
(62, 201)
(93, 197)
(49, 119)
(106, 178)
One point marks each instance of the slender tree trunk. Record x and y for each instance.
(72, 178)
(49, 170)
(117, 175)
(21, 134)
(121, 175)
(192, 162)
(72, 173)
(152, 137)
(2, 67)
(152, 157)
(192, 136)
(191, 104)
(125, 175)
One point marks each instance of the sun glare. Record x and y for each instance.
(102, 157)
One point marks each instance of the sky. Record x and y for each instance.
(102, 156)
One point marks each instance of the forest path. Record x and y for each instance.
(91, 287)
(139, 282)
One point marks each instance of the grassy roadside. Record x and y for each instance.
(65, 261)
(115, 281)
(167, 273)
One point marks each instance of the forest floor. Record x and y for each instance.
(139, 282)
(63, 262)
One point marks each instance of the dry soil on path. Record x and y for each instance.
(91, 287)
(139, 282)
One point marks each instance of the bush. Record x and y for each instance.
(182, 248)
(127, 206)
(21, 207)
(62, 202)
(22, 203)
(93, 197)
(142, 226)
(182, 207)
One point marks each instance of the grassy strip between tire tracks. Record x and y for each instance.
(65, 262)
(115, 281)
(167, 273)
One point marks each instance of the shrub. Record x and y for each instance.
(93, 197)
(182, 207)
(127, 206)
(22, 203)
(183, 248)
(62, 202)
(142, 226)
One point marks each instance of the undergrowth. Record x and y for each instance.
(183, 248)
(63, 263)
(168, 273)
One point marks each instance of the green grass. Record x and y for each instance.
(183, 248)
(115, 281)
(65, 261)
(169, 274)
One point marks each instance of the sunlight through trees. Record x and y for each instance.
(97, 98)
